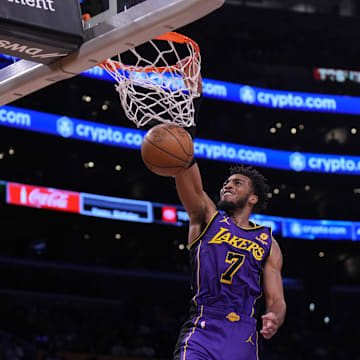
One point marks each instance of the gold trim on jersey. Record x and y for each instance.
(203, 232)
(193, 330)
(272, 241)
(254, 227)
(197, 274)
(258, 297)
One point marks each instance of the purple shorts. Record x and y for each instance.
(217, 335)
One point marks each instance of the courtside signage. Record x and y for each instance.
(169, 214)
(143, 211)
(356, 233)
(318, 229)
(116, 208)
(71, 128)
(40, 197)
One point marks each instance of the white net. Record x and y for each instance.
(159, 81)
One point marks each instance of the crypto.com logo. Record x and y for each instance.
(247, 95)
(296, 229)
(65, 127)
(297, 161)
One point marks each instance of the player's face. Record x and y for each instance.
(236, 191)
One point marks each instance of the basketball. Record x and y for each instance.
(167, 149)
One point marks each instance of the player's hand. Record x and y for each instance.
(270, 325)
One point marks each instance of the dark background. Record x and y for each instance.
(70, 283)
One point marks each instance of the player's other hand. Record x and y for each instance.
(270, 325)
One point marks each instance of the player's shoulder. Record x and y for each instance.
(202, 230)
(275, 256)
(275, 243)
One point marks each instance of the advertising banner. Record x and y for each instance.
(116, 208)
(40, 197)
(317, 229)
(40, 30)
(147, 212)
(78, 129)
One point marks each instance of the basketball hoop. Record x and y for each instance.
(159, 81)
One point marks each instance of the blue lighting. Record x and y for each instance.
(71, 128)
(255, 96)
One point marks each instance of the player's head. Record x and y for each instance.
(245, 187)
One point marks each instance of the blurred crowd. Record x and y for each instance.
(47, 329)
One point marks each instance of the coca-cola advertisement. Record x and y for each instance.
(40, 197)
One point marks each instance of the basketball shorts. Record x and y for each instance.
(217, 335)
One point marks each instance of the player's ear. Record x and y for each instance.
(253, 199)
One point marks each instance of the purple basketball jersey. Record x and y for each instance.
(227, 265)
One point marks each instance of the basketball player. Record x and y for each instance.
(234, 262)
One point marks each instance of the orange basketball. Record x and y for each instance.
(167, 149)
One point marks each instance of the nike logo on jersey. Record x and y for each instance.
(249, 340)
(226, 220)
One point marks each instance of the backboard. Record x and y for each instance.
(114, 27)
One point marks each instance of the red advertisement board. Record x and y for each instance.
(169, 214)
(41, 197)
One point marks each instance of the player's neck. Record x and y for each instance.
(241, 218)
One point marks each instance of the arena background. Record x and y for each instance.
(85, 287)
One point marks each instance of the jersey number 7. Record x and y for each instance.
(236, 260)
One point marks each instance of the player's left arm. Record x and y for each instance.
(274, 293)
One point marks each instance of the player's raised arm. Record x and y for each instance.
(196, 202)
(188, 182)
